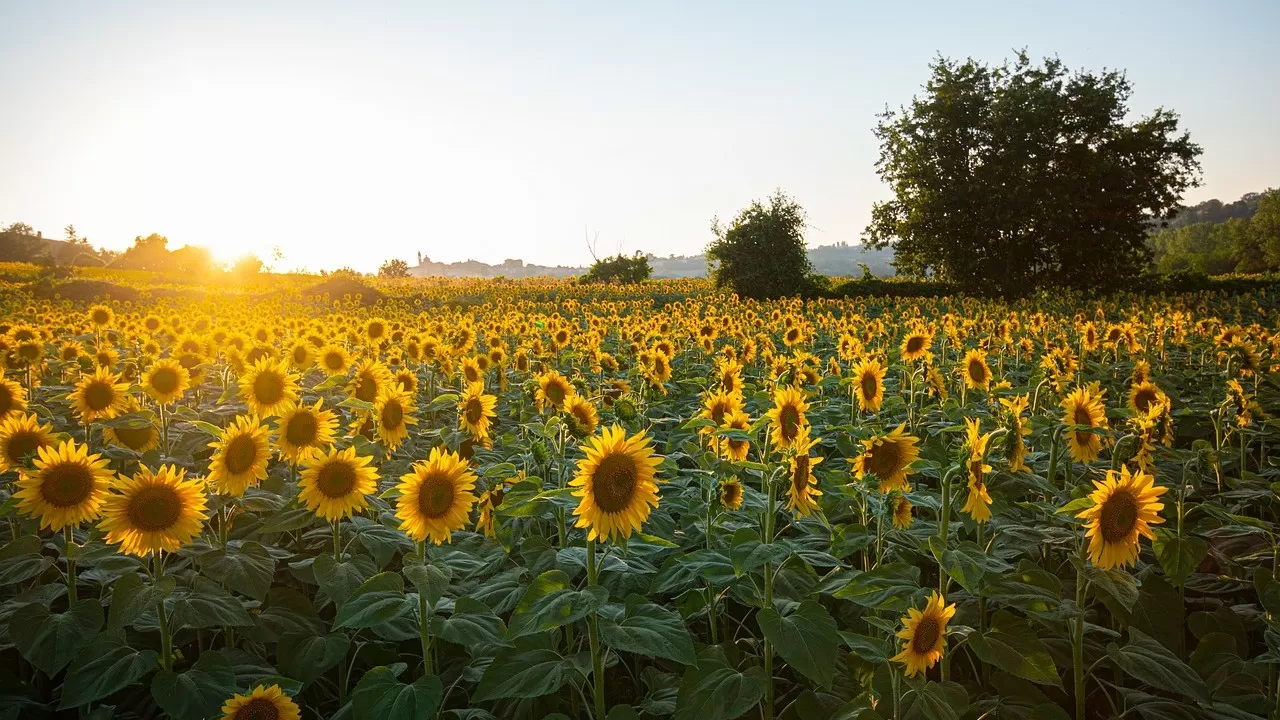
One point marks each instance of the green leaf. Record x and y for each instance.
(103, 667)
(1013, 646)
(527, 674)
(967, 563)
(197, 693)
(307, 657)
(249, 569)
(646, 629)
(806, 639)
(130, 598)
(21, 560)
(205, 604)
(550, 603)
(380, 599)
(339, 580)
(1178, 556)
(1149, 661)
(1116, 583)
(888, 587)
(715, 690)
(207, 428)
(380, 696)
(472, 623)
(932, 701)
(289, 612)
(51, 640)
(749, 554)
(432, 581)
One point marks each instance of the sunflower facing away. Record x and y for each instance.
(165, 381)
(1125, 507)
(900, 506)
(978, 503)
(262, 703)
(395, 412)
(787, 417)
(304, 430)
(730, 493)
(924, 635)
(240, 457)
(334, 483)
(1015, 449)
(20, 437)
(1082, 407)
(553, 390)
(154, 511)
(269, 388)
(889, 458)
(616, 484)
(804, 486)
(436, 497)
(582, 416)
(13, 398)
(476, 411)
(974, 370)
(100, 396)
(67, 487)
(868, 384)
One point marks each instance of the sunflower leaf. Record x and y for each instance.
(380, 696)
(249, 570)
(549, 602)
(646, 629)
(102, 668)
(380, 599)
(197, 693)
(1013, 646)
(806, 639)
(527, 674)
(51, 640)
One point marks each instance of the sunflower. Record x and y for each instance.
(925, 635)
(476, 411)
(67, 487)
(165, 381)
(20, 437)
(730, 493)
(716, 406)
(787, 416)
(1015, 449)
(1082, 407)
(240, 457)
(302, 355)
(262, 703)
(334, 360)
(436, 497)
(582, 416)
(729, 376)
(268, 388)
(1125, 506)
(471, 372)
(868, 379)
(975, 371)
(13, 399)
(1144, 395)
(101, 316)
(804, 486)
(100, 396)
(978, 504)
(334, 483)
(490, 500)
(915, 346)
(553, 389)
(369, 380)
(303, 430)
(900, 507)
(407, 380)
(733, 449)
(154, 511)
(889, 458)
(138, 439)
(395, 412)
(615, 482)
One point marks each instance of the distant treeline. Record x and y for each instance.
(1214, 238)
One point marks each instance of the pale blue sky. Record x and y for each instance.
(348, 133)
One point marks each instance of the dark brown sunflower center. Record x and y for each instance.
(333, 361)
(99, 395)
(884, 460)
(302, 429)
(800, 476)
(134, 438)
(474, 411)
(1082, 417)
(1118, 517)
(300, 354)
(977, 371)
(1144, 399)
(336, 479)
(789, 422)
(472, 373)
(268, 388)
(376, 330)
(435, 497)
(366, 388)
(101, 317)
(241, 453)
(154, 508)
(914, 344)
(6, 400)
(392, 415)
(869, 385)
(730, 493)
(165, 380)
(582, 413)
(555, 392)
(22, 444)
(717, 413)
(257, 709)
(926, 636)
(66, 484)
(614, 482)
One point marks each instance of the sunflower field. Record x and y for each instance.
(541, 499)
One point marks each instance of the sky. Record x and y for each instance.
(345, 134)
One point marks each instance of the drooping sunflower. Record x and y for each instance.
(790, 425)
(1015, 449)
(369, 381)
(13, 399)
(333, 483)
(889, 458)
(974, 370)
(471, 372)
(733, 449)
(978, 503)
(489, 502)
(1144, 395)
(868, 384)
(268, 387)
(67, 487)
(262, 703)
(240, 458)
(100, 396)
(924, 635)
(730, 493)
(582, 416)
(138, 439)
(303, 430)
(1082, 407)
(165, 381)
(1125, 506)
(900, 506)
(436, 497)
(20, 437)
(476, 411)
(553, 390)
(154, 511)
(615, 483)
(804, 486)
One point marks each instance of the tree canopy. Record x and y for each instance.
(618, 269)
(761, 254)
(1244, 242)
(1020, 176)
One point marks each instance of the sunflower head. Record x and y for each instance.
(67, 487)
(732, 448)
(268, 387)
(100, 395)
(616, 483)
(436, 497)
(553, 390)
(157, 511)
(165, 381)
(730, 493)
(868, 379)
(13, 398)
(20, 437)
(974, 370)
(334, 483)
(803, 487)
(790, 425)
(305, 429)
(582, 416)
(900, 506)
(889, 458)
(1125, 506)
(262, 703)
(924, 635)
(240, 457)
(1083, 407)
(476, 411)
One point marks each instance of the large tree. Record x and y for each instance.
(1020, 176)
(761, 254)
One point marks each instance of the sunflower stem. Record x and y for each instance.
(1077, 641)
(70, 550)
(597, 660)
(337, 541)
(166, 642)
(768, 601)
(424, 636)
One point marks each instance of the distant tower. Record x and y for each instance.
(419, 257)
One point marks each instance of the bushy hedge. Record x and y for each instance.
(1176, 282)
